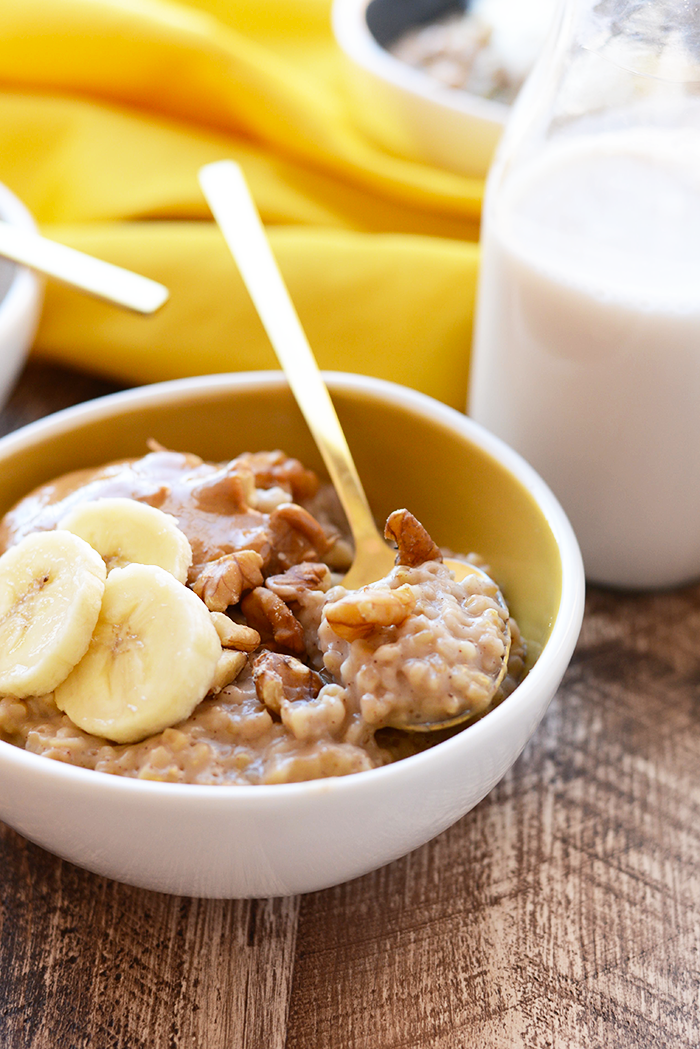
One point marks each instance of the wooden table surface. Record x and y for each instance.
(564, 911)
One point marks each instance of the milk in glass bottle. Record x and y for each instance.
(586, 354)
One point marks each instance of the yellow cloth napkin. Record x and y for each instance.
(107, 110)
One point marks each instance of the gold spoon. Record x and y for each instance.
(231, 203)
(102, 279)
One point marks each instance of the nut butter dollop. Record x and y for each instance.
(214, 504)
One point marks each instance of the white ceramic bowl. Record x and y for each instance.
(470, 490)
(21, 293)
(409, 111)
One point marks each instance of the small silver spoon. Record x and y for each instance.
(69, 266)
(232, 205)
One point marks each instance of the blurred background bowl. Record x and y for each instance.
(405, 109)
(469, 489)
(21, 293)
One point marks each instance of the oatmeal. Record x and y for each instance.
(487, 49)
(302, 678)
(437, 658)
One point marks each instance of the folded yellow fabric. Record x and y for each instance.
(107, 110)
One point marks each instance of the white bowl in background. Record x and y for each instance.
(470, 490)
(21, 294)
(407, 110)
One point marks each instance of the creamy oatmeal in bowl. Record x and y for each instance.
(257, 665)
(266, 751)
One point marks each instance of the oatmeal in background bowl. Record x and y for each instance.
(303, 677)
(487, 48)
(433, 80)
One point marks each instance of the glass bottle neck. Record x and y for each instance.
(653, 38)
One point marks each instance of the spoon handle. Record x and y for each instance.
(229, 198)
(98, 278)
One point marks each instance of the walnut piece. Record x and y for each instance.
(279, 678)
(235, 635)
(360, 612)
(296, 536)
(220, 583)
(297, 580)
(227, 669)
(275, 469)
(229, 491)
(415, 545)
(273, 619)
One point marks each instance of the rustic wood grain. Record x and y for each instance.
(562, 913)
(43, 388)
(88, 962)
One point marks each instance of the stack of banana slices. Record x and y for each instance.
(97, 612)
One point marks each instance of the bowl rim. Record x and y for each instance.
(23, 291)
(557, 649)
(354, 37)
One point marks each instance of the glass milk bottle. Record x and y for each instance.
(586, 354)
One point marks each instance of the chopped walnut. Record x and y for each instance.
(297, 580)
(227, 669)
(414, 543)
(265, 500)
(228, 491)
(235, 635)
(360, 612)
(296, 536)
(275, 469)
(273, 619)
(308, 708)
(278, 678)
(220, 583)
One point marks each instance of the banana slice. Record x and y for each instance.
(51, 587)
(152, 658)
(125, 531)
